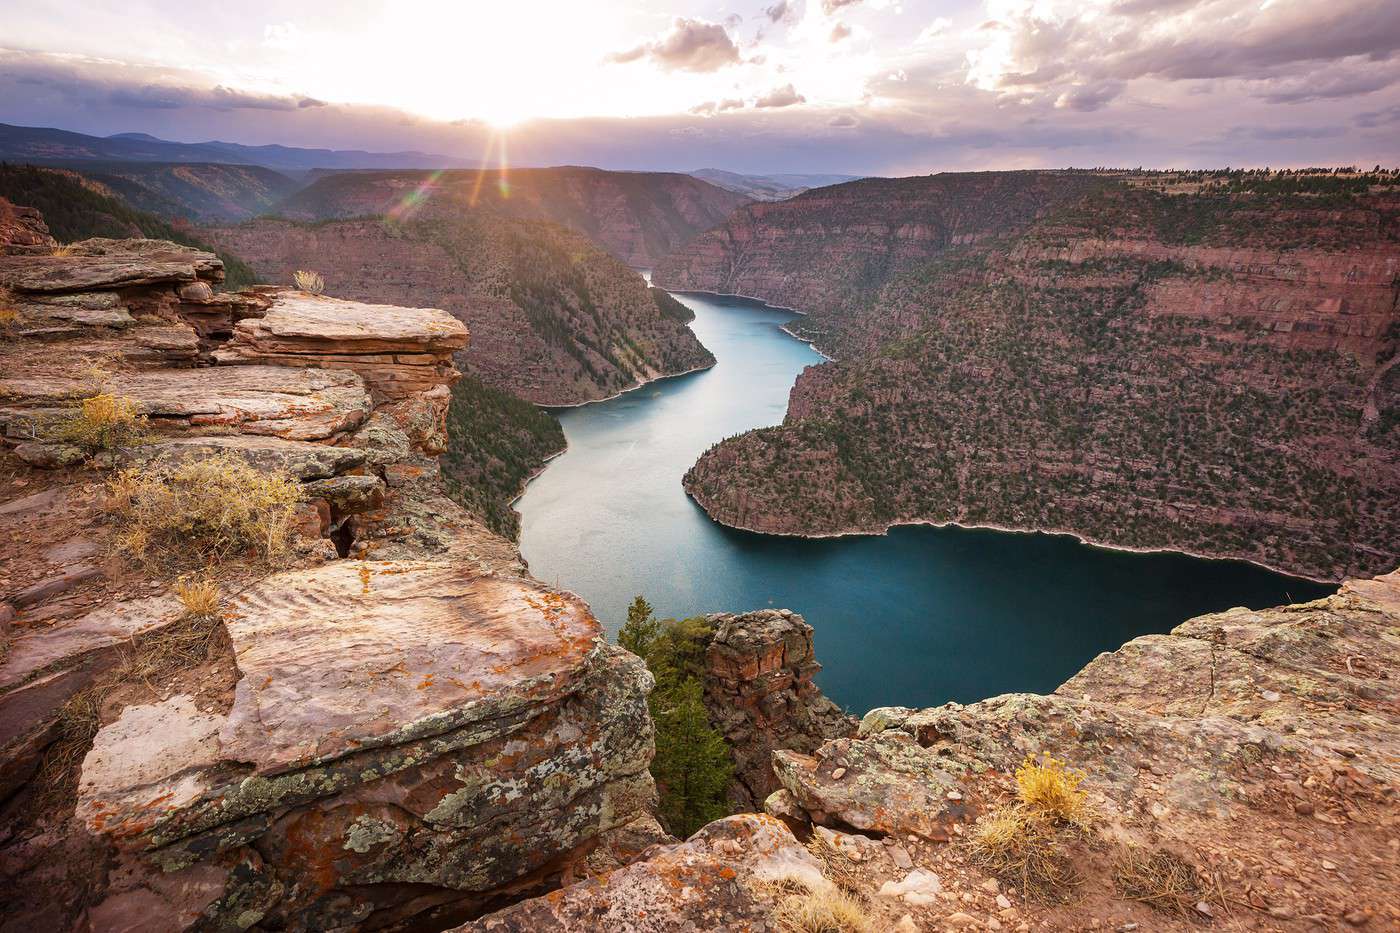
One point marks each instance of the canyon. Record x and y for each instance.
(1092, 353)
(397, 727)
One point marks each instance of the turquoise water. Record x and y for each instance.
(913, 618)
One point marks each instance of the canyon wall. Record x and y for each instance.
(555, 320)
(390, 726)
(1208, 372)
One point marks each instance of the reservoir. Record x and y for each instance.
(913, 618)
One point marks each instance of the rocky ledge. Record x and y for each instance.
(398, 741)
(1256, 748)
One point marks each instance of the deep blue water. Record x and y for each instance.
(913, 618)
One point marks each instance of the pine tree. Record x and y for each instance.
(692, 765)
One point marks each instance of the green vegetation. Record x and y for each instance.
(692, 766)
(495, 443)
(75, 209)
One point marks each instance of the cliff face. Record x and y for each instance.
(1250, 756)
(639, 217)
(200, 192)
(760, 696)
(394, 727)
(553, 318)
(1212, 373)
(834, 247)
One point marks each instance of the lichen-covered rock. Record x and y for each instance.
(397, 742)
(395, 724)
(713, 881)
(760, 695)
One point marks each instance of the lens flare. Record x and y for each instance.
(410, 203)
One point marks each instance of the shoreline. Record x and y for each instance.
(767, 304)
(1087, 542)
(632, 388)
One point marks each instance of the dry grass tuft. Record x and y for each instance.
(802, 908)
(1051, 789)
(207, 510)
(309, 281)
(103, 422)
(1024, 849)
(9, 314)
(78, 722)
(63, 249)
(199, 595)
(1026, 843)
(185, 643)
(837, 867)
(1158, 878)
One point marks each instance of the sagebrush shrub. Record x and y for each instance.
(207, 510)
(105, 421)
(309, 281)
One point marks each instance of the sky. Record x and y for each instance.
(889, 87)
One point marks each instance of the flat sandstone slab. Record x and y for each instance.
(302, 323)
(360, 654)
(100, 263)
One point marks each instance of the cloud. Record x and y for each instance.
(310, 102)
(711, 107)
(1053, 47)
(1089, 97)
(831, 6)
(933, 30)
(1374, 118)
(782, 12)
(690, 45)
(785, 96)
(843, 121)
(1332, 85)
(840, 31)
(1293, 132)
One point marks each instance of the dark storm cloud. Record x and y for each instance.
(690, 45)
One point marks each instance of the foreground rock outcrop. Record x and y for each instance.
(760, 696)
(1142, 361)
(1255, 752)
(395, 728)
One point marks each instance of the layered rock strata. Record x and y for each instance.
(554, 319)
(402, 740)
(761, 697)
(1213, 373)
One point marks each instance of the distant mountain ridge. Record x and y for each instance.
(640, 217)
(46, 144)
(777, 187)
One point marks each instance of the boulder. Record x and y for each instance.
(396, 723)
